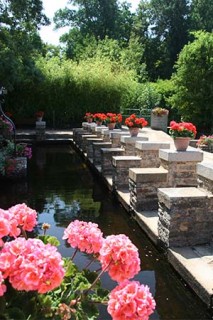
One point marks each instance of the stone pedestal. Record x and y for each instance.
(89, 146)
(149, 152)
(106, 159)
(205, 176)
(106, 134)
(40, 130)
(83, 143)
(115, 138)
(181, 166)
(143, 186)
(121, 166)
(185, 217)
(128, 143)
(99, 129)
(97, 146)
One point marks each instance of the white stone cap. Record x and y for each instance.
(85, 136)
(187, 192)
(132, 140)
(205, 169)
(151, 145)
(181, 156)
(41, 124)
(126, 158)
(117, 134)
(99, 128)
(147, 174)
(107, 132)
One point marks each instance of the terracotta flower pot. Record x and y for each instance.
(111, 125)
(181, 143)
(133, 131)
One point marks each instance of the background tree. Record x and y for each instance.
(193, 82)
(19, 39)
(201, 15)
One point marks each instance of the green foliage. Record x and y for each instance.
(70, 89)
(193, 82)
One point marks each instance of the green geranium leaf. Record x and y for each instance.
(81, 283)
(70, 268)
(90, 276)
(90, 310)
(16, 314)
(49, 239)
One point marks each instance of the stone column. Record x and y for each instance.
(115, 138)
(84, 141)
(181, 166)
(185, 217)
(149, 152)
(129, 143)
(89, 146)
(143, 186)
(106, 159)
(205, 176)
(97, 146)
(121, 166)
(40, 130)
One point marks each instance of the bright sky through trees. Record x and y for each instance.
(50, 7)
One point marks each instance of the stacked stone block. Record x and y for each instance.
(106, 159)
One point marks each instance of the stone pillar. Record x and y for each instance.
(121, 166)
(143, 186)
(181, 166)
(128, 143)
(84, 125)
(185, 217)
(89, 146)
(106, 134)
(149, 152)
(115, 138)
(76, 132)
(97, 146)
(40, 130)
(84, 141)
(205, 176)
(106, 159)
(78, 137)
(98, 130)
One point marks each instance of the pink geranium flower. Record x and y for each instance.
(86, 236)
(25, 216)
(131, 301)
(120, 257)
(31, 265)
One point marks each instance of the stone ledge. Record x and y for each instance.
(148, 174)
(151, 145)
(112, 150)
(173, 194)
(119, 134)
(180, 156)
(205, 170)
(187, 263)
(118, 161)
(131, 140)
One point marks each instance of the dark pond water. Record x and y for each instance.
(57, 176)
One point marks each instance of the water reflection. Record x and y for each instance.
(61, 188)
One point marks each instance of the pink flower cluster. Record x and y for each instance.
(16, 218)
(86, 236)
(31, 265)
(117, 255)
(130, 301)
(121, 256)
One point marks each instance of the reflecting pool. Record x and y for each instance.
(62, 188)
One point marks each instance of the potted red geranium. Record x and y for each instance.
(39, 115)
(182, 133)
(89, 117)
(134, 124)
(112, 119)
(99, 118)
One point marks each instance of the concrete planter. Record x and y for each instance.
(159, 122)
